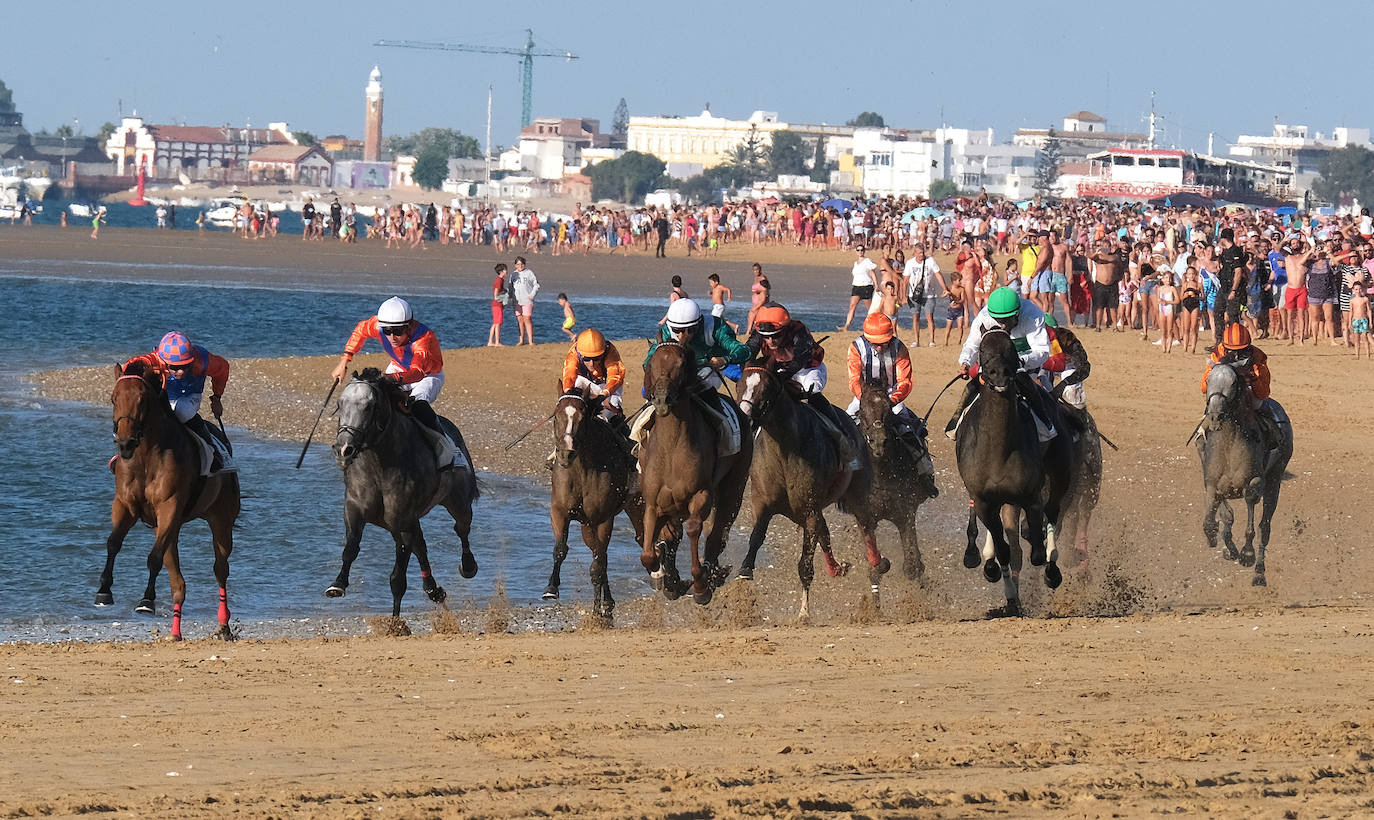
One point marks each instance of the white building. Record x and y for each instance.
(552, 147)
(707, 140)
(1295, 149)
(199, 151)
(905, 162)
(1083, 133)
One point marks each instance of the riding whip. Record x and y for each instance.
(313, 427)
(225, 433)
(526, 434)
(937, 397)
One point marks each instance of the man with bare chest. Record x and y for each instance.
(1295, 258)
(1059, 274)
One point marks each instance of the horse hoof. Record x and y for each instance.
(146, 607)
(838, 570)
(1053, 577)
(104, 598)
(334, 591)
(437, 595)
(469, 567)
(226, 634)
(991, 572)
(176, 637)
(1038, 557)
(746, 573)
(671, 591)
(882, 568)
(703, 598)
(716, 576)
(1229, 553)
(1247, 558)
(1258, 581)
(550, 593)
(972, 557)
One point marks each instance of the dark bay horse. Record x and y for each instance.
(158, 482)
(1008, 471)
(1236, 463)
(797, 472)
(897, 493)
(1085, 484)
(391, 481)
(683, 476)
(594, 478)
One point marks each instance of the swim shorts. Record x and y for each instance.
(1059, 283)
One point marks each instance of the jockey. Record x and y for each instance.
(184, 368)
(416, 363)
(1025, 323)
(713, 347)
(594, 364)
(878, 355)
(1236, 349)
(1070, 360)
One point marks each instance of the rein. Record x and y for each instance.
(361, 441)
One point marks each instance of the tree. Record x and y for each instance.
(1346, 172)
(868, 119)
(626, 178)
(452, 142)
(941, 189)
(305, 138)
(787, 154)
(746, 161)
(106, 130)
(1047, 161)
(431, 167)
(820, 170)
(64, 130)
(620, 123)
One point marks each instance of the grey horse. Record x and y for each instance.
(391, 480)
(1236, 463)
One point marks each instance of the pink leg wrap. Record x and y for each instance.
(223, 607)
(176, 621)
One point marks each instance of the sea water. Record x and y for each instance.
(55, 490)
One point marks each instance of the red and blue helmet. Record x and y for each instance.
(175, 349)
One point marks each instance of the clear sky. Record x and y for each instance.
(1215, 66)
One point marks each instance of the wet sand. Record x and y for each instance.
(1155, 680)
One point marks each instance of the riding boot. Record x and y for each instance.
(844, 445)
(421, 411)
(970, 392)
(1036, 398)
(621, 427)
(196, 424)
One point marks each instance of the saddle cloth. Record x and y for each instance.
(207, 457)
(446, 449)
(727, 426)
(1043, 430)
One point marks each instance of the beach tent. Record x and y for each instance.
(838, 204)
(1185, 199)
(1024, 204)
(923, 212)
(1286, 210)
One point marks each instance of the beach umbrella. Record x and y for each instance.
(923, 212)
(838, 204)
(1286, 210)
(1023, 204)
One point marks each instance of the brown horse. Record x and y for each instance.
(682, 474)
(158, 482)
(897, 493)
(798, 471)
(594, 478)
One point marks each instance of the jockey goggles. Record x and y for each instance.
(768, 328)
(395, 330)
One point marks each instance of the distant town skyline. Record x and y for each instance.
(1221, 68)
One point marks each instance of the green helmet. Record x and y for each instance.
(1049, 321)
(1004, 303)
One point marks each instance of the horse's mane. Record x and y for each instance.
(689, 370)
(388, 388)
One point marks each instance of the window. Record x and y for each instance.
(882, 158)
(970, 180)
(1119, 160)
(1150, 161)
(1170, 162)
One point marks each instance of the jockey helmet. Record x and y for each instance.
(771, 319)
(682, 314)
(590, 343)
(1004, 303)
(175, 349)
(394, 311)
(878, 328)
(1236, 337)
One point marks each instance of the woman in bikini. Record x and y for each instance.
(1189, 303)
(1167, 297)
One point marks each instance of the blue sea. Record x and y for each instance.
(55, 491)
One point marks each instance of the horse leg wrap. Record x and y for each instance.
(176, 622)
(223, 607)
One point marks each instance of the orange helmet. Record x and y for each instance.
(590, 343)
(1236, 337)
(878, 328)
(771, 319)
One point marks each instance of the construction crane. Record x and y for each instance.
(526, 55)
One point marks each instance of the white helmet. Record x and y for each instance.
(682, 314)
(394, 311)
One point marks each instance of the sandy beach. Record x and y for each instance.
(1156, 680)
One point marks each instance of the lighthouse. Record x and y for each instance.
(372, 130)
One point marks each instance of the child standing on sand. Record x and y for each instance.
(569, 319)
(720, 294)
(956, 316)
(1359, 318)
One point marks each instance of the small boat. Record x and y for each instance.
(223, 211)
(82, 211)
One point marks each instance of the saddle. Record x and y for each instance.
(447, 451)
(728, 424)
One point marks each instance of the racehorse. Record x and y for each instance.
(798, 471)
(594, 478)
(391, 481)
(158, 481)
(1235, 464)
(1008, 470)
(683, 476)
(1085, 485)
(897, 494)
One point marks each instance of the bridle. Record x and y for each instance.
(993, 331)
(762, 403)
(573, 428)
(672, 390)
(374, 425)
(135, 423)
